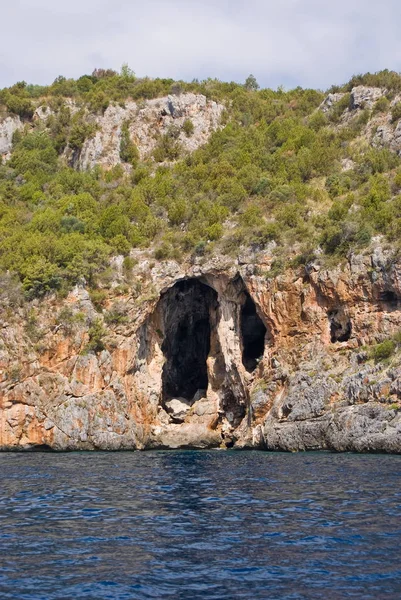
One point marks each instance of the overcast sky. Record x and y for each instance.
(312, 43)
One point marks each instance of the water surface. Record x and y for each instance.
(199, 525)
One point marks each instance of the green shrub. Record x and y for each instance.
(317, 120)
(85, 84)
(168, 146)
(69, 224)
(96, 337)
(19, 106)
(396, 112)
(128, 151)
(34, 155)
(214, 232)
(64, 87)
(98, 298)
(251, 84)
(81, 131)
(128, 265)
(188, 127)
(397, 180)
(120, 244)
(15, 373)
(40, 276)
(98, 101)
(338, 184)
(277, 268)
(383, 351)
(68, 320)
(381, 105)
(117, 314)
(339, 108)
(363, 117)
(164, 251)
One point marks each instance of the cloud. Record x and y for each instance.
(290, 42)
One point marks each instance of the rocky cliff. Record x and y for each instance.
(380, 130)
(209, 351)
(209, 354)
(146, 122)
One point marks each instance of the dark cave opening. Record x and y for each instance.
(41, 448)
(253, 332)
(389, 299)
(186, 346)
(340, 326)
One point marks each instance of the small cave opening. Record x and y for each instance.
(389, 299)
(41, 448)
(340, 326)
(253, 332)
(186, 313)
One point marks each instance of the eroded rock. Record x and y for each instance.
(173, 373)
(147, 122)
(7, 129)
(365, 97)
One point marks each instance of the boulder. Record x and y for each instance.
(177, 408)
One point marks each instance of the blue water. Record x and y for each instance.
(199, 525)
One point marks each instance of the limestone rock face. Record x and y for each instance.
(380, 130)
(183, 370)
(7, 129)
(388, 135)
(365, 97)
(361, 97)
(146, 122)
(330, 101)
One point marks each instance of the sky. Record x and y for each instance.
(312, 43)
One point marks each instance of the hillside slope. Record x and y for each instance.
(200, 265)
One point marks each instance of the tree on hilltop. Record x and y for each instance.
(251, 84)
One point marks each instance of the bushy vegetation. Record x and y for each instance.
(390, 80)
(396, 112)
(128, 151)
(96, 334)
(272, 173)
(381, 105)
(68, 320)
(383, 351)
(188, 127)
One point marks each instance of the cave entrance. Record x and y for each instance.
(253, 332)
(340, 326)
(187, 308)
(389, 299)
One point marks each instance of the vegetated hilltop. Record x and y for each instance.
(97, 166)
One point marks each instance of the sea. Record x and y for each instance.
(199, 524)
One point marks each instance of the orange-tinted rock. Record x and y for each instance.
(309, 374)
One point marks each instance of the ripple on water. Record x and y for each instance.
(199, 525)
